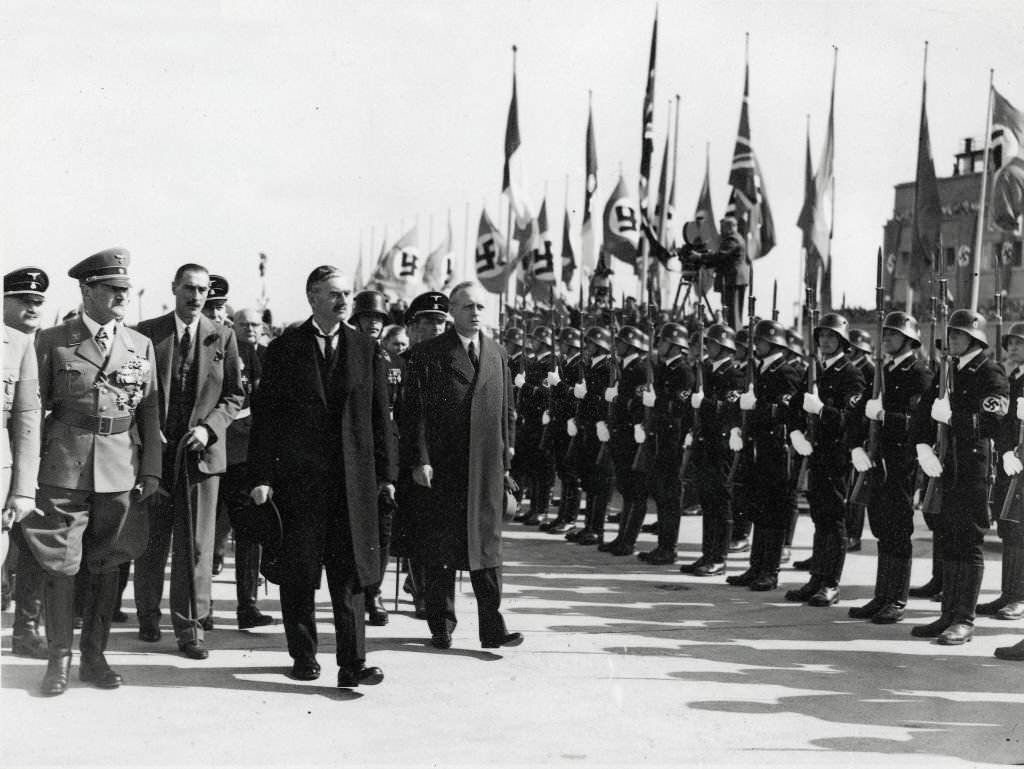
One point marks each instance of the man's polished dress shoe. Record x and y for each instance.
(804, 592)
(55, 680)
(558, 526)
(659, 557)
(930, 589)
(956, 634)
(218, 564)
(573, 534)
(119, 617)
(589, 538)
(364, 676)
(305, 670)
(690, 568)
(709, 569)
(868, 610)
(889, 614)
(254, 618)
(98, 673)
(509, 639)
(420, 608)
(441, 641)
(1014, 653)
(739, 545)
(194, 649)
(622, 549)
(825, 596)
(376, 613)
(607, 547)
(804, 565)
(149, 633)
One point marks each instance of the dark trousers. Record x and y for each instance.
(298, 610)
(733, 298)
(440, 597)
(891, 506)
(826, 496)
(712, 471)
(234, 503)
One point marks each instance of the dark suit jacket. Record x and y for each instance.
(309, 435)
(461, 422)
(219, 393)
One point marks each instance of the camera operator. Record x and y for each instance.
(732, 271)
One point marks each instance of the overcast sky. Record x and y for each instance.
(209, 132)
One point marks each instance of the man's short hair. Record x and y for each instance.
(393, 331)
(322, 273)
(463, 286)
(190, 267)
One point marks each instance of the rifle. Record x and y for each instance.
(932, 504)
(812, 385)
(999, 327)
(695, 429)
(775, 300)
(751, 369)
(572, 451)
(640, 457)
(556, 322)
(1011, 505)
(861, 492)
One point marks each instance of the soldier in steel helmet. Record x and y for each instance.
(718, 406)
(768, 405)
(592, 423)
(905, 380)
(563, 408)
(534, 462)
(860, 352)
(627, 432)
(971, 407)
(832, 407)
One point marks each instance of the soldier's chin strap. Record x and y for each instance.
(181, 476)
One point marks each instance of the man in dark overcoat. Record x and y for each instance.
(460, 419)
(321, 448)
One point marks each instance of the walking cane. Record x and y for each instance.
(181, 476)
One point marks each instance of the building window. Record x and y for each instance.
(950, 259)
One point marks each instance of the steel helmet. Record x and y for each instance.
(904, 324)
(543, 335)
(969, 322)
(722, 335)
(674, 333)
(833, 321)
(743, 338)
(599, 337)
(370, 303)
(514, 335)
(1015, 330)
(771, 331)
(635, 338)
(571, 337)
(861, 340)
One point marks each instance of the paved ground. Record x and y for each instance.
(623, 664)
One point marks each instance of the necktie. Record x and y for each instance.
(473, 358)
(101, 340)
(184, 353)
(328, 348)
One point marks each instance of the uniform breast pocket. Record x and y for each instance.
(10, 385)
(74, 380)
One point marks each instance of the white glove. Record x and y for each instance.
(688, 441)
(812, 403)
(800, 443)
(735, 440)
(873, 410)
(861, 461)
(748, 400)
(570, 427)
(552, 379)
(941, 411)
(649, 397)
(579, 390)
(930, 463)
(1020, 408)
(520, 379)
(1011, 463)
(639, 434)
(696, 399)
(611, 393)
(602, 432)
(545, 418)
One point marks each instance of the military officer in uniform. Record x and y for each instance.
(829, 409)
(770, 495)
(629, 397)
(905, 380)
(971, 404)
(24, 295)
(671, 420)
(719, 433)
(101, 459)
(592, 425)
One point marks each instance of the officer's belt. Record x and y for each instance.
(94, 424)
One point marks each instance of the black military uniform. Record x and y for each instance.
(905, 379)
(860, 353)
(671, 419)
(772, 506)
(840, 390)
(534, 460)
(978, 399)
(718, 416)
(564, 406)
(627, 413)
(740, 537)
(595, 458)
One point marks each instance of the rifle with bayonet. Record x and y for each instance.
(734, 468)
(932, 503)
(999, 326)
(861, 492)
(572, 451)
(640, 458)
(549, 388)
(695, 428)
(1012, 505)
(812, 385)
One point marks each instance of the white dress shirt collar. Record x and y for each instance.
(110, 326)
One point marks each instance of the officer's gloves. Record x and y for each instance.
(639, 434)
(552, 379)
(813, 404)
(520, 379)
(1011, 463)
(649, 398)
(735, 440)
(579, 390)
(545, 418)
(697, 399)
(861, 461)
(941, 411)
(602, 432)
(611, 393)
(930, 463)
(801, 445)
(1020, 408)
(873, 410)
(571, 428)
(748, 400)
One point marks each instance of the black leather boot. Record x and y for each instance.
(989, 608)
(58, 601)
(1013, 584)
(756, 560)
(28, 604)
(950, 573)
(933, 587)
(768, 579)
(99, 611)
(872, 607)
(965, 598)
(897, 586)
(247, 575)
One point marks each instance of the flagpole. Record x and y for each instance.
(832, 137)
(464, 262)
(917, 183)
(980, 229)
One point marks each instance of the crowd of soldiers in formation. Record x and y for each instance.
(734, 424)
